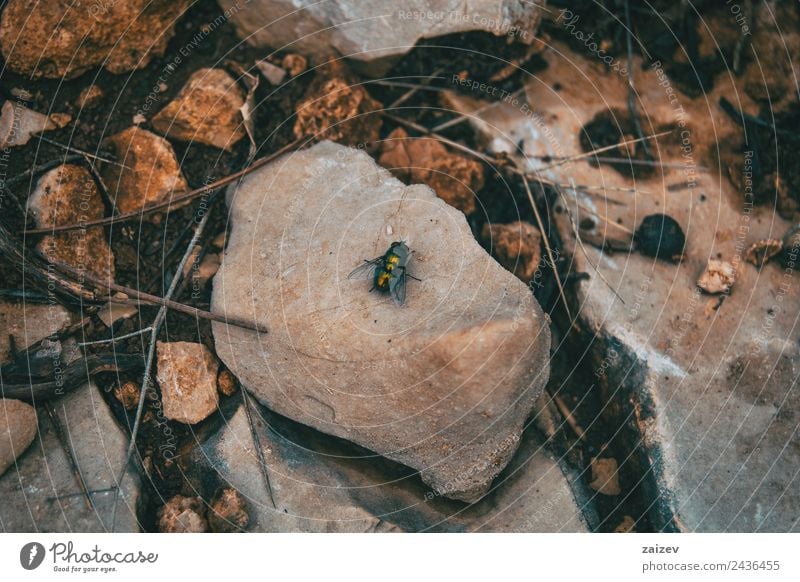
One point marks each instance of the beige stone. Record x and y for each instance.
(151, 174)
(442, 384)
(206, 110)
(187, 376)
(68, 195)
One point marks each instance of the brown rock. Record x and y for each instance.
(627, 525)
(294, 64)
(605, 477)
(206, 110)
(55, 39)
(128, 395)
(228, 512)
(152, 173)
(454, 178)
(17, 430)
(90, 97)
(183, 515)
(68, 195)
(187, 375)
(516, 246)
(226, 383)
(334, 107)
(718, 277)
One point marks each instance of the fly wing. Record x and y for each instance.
(366, 270)
(397, 288)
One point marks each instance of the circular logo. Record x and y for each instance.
(31, 555)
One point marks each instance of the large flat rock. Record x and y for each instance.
(443, 383)
(713, 384)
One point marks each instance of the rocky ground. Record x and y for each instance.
(598, 326)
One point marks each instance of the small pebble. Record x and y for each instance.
(228, 512)
(718, 277)
(90, 97)
(605, 476)
(128, 395)
(183, 515)
(294, 64)
(226, 383)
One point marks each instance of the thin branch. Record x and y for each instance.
(632, 109)
(84, 153)
(547, 248)
(70, 453)
(257, 444)
(138, 297)
(583, 248)
(116, 338)
(603, 149)
(151, 353)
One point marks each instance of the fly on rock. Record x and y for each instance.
(388, 272)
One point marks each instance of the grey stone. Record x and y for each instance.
(323, 484)
(18, 124)
(374, 33)
(713, 383)
(17, 430)
(41, 493)
(442, 384)
(28, 323)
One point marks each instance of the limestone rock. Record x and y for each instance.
(336, 107)
(272, 73)
(90, 97)
(516, 246)
(442, 384)
(18, 124)
(321, 484)
(206, 110)
(714, 392)
(187, 376)
(17, 430)
(41, 493)
(454, 177)
(54, 39)
(152, 173)
(68, 195)
(374, 33)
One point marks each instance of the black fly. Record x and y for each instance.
(388, 272)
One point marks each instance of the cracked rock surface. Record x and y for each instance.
(442, 384)
(712, 384)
